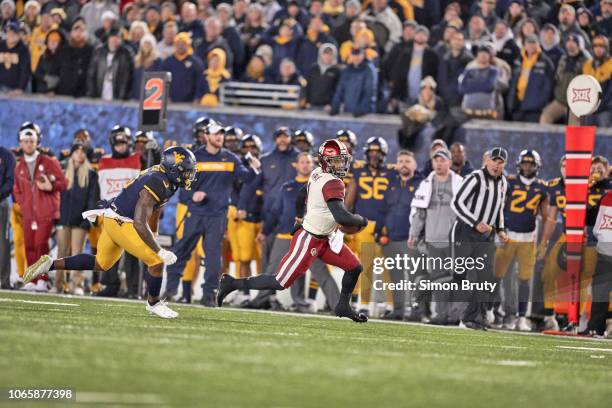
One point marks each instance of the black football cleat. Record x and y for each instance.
(345, 310)
(226, 286)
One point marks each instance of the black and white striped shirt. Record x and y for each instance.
(481, 198)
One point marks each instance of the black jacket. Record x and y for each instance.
(78, 199)
(7, 172)
(47, 74)
(122, 66)
(73, 70)
(399, 71)
(510, 52)
(320, 87)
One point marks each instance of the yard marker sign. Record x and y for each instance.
(154, 101)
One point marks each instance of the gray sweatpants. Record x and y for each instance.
(318, 269)
(5, 246)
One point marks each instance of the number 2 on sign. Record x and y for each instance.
(154, 101)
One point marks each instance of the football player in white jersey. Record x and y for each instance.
(317, 236)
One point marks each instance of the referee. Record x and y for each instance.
(479, 205)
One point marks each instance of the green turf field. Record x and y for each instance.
(114, 353)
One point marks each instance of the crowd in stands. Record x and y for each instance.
(434, 62)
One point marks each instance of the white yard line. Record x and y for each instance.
(38, 302)
(606, 350)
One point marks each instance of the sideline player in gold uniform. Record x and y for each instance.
(128, 223)
(365, 196)
(527, 194)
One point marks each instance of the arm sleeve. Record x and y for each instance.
(61, 183)
(155, 187)
(248, 191)
(459, 202)
(343, 217)
(417, 222)
(333, 190)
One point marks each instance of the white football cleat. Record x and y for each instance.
(78, 291)
(550, 323)
(240, 299)
(42, 286)
(29, 287)
(523, 324)
(162, 310)
(609, 328)
(490, 316)
(38, 268)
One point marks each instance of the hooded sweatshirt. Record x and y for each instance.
(322, 78)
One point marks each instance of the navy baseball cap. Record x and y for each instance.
(499, 153)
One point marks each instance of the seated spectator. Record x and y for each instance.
(420, 114)
(58, 15)
(515, 14)
(165, 47)
(549, 40)
(479, 85)
(81, 195)
(71, 9)
(539, 10)
(333, 9)
(109, 20)
(214, 76)
(14, 62)
(286, 43)
(187, 80)
(7, 14)
(110, 71)
(92, 13)
(412, 66)
(381, 14)
(487, 12)
(255, 71)
(532, 83)
(343, 25)
(315, 9)
(39, 36)
(270, 8)
(131, 13)
(568, 25)
(288, 75)
(322, 78)
(231, 35)
(526, 28)
(604, 25)
(451, 13)
(213, 39)
(31, 14)
(293, 11)
(252, 29)
(356, 91)
(316, 34)
(74, 61)
(586, 22)
(444, 44)
(205, 9)
(189, 22)
(239, 9)
(137, 30)
(477, 33)
(168, 11)
(569, 66)
(146, 60)
(153, 20)
(363, 37)
(47, 74)
(451, 66)
(504, 44)
(600, 67)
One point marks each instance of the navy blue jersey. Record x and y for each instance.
(396, 207)
(284, 208)
(154, 180)
(371, 186)
(184, 196)
(522, 203)
(556, 195)
(216, 176)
